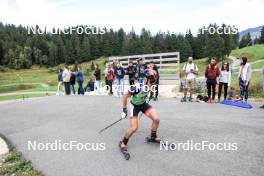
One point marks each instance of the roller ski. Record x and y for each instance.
(123, 149)
(153, 140)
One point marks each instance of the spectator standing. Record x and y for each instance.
(244, 77)
(79, 77)
(110, 78)
(60, 82)
(224, 80)
(211, 74)
(190, 70)
(97, 75)
(119, 76)
(66, 76)
(131, 72)
(105, 74)
(72, 82)
(141, 67)
(155, 94)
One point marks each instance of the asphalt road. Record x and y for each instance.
(79, 118)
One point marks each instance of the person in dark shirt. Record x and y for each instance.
(155, 94)
(97, 75)
(141, 67)
(119, 75)
(72, 82)
(131, 72)
(60, 82)
(90, 85)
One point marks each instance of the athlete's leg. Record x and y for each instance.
(133, 127)
(151, 113)
(131, 130)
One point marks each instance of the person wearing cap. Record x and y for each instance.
(190, 71)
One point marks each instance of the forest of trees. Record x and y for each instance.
(18, 49)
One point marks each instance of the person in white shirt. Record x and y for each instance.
(190, 70)
(224, 80)
(244, 77)
(66, 75)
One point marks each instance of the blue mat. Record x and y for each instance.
(238, 104)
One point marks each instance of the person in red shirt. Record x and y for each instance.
(110, 78)
(211, 73)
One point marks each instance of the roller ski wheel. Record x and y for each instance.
(124, 151)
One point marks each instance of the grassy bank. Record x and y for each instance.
(15, 165)
(39, 78)
(255, 52)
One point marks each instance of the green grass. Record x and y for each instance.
(253, 53)
(30, 80)
(255, 86)
(15, 87)
(15, 164)
(258, 65)
(16, 97)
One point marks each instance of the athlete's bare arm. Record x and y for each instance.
(125, 99)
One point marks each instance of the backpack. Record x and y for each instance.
(110, 75)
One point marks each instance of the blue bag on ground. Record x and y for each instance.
(238, 104)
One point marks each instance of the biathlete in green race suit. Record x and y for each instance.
(138, 104)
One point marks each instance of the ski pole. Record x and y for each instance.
(110, 125)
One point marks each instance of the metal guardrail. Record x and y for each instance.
(168, 63)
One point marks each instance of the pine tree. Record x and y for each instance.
(184, 47)
(214, 43)
(261, 39)
(121, 40)
(85, 49)
(76, 48)
(245, 41)
(189, 37)
(10, 58)
(1, 53)
(95, 52)
(145, 40)
(52, 55)
(61, 50)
